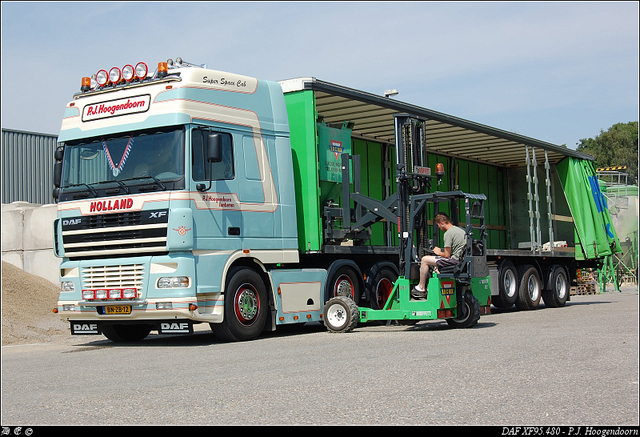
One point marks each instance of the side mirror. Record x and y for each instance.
(214, 148)
(57, 167)
(57, 174)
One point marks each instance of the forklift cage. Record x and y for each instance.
(473, 262)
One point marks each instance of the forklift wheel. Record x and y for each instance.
(340, 314)
(472, 313)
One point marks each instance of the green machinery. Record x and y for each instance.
(458, 295)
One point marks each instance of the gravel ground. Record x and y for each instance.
(27, 304)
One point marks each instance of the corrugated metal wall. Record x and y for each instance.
(27, 166)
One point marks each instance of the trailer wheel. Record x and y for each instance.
(472, 313)
(340, 314)
(245, 306)
(557, 291)
(122, 333)
(530, 288)
(507, 286)
(344, 282)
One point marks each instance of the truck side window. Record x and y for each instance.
(199, 165)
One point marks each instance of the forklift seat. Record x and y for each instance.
(472, 263)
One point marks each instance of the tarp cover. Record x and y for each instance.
(589, 208)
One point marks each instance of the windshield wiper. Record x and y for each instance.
(126, 189)
(94, 192)
(164, 187)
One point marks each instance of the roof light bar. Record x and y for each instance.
(127, 74)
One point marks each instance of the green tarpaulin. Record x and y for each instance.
(594, 229)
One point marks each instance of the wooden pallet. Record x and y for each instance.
(586, 288)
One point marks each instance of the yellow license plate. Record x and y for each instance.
(120, 309)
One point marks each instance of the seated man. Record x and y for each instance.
(454, 242)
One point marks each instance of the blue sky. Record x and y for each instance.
(557, 72)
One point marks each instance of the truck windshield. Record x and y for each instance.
(124, 161)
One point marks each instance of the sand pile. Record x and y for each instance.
(27, 304)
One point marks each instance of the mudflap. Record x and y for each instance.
(85, 328)
(163, 327)
(175, 327)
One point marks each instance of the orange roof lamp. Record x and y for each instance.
(439, 171)
(86, 84)
(163, 69)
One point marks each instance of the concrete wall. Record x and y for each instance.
(27, 238)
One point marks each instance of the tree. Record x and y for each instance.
(617, 146)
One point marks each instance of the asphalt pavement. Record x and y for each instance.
(576, 365)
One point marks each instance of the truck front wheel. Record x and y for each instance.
(245, 306)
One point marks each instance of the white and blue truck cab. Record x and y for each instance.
(167, 200)
(192, 195)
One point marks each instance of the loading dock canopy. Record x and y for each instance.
(373, 120)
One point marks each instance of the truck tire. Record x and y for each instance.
(507, 286)
(344, 281)
(472, 313)
(245, 306)
(381, 285)
(340, 314)
(529, 289)
(557, 290)
(123, 333)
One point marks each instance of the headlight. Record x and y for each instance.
(129, 293)
(102, 77)
(127, 72)
(114, 75)
(174, 282)
(141, 70)
(67, 286)
(101, 294)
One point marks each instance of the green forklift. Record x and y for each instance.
(458, 294)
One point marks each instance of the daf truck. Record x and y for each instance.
(189, 195)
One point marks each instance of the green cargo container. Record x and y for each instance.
(534, 189)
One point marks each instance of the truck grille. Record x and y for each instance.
(121, 276)
(132, 233)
